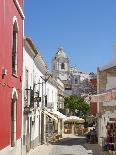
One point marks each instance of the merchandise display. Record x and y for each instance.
(110, 141)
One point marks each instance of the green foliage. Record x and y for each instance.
(76, 105)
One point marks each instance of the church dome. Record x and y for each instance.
(60, 53)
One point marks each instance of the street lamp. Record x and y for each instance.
(32, 98)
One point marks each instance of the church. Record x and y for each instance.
(70, 76)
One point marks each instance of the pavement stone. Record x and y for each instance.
(68, 150)
(97, 150)
(69, 145)
(41, 150)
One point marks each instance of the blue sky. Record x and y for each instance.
(86, 29)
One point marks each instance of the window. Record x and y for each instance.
(26, 86)
(13, 117)
(76, 81)
(13, 123)
(14, 48)
(62, 66)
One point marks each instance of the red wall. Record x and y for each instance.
(94, 83)
(7, 11)
(93, 108)
(20, 2)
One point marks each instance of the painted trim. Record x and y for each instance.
(15, 20)
(19, 8)
(14, 91)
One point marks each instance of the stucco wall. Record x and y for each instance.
(7, 12)
(111, 82)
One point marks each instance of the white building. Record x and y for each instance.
(61, 69)
(72, 78)
(60, 94)
(32, 70)
(40, 99)
(55, 101)
(60, 65)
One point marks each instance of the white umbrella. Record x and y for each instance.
(74, 119)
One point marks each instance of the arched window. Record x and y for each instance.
(14, 47)
(13, 117)
(62, 66)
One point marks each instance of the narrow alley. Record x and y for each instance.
(69, 145)
(57, 77)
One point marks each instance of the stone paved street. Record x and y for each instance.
(69, 145)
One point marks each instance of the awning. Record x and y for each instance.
(50, 115)
(59, 114)
(74, 119)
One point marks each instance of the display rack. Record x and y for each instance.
(110, 141)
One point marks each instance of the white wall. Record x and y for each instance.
(111, 82)
(67, 93)
(34, 76)
(52, 95)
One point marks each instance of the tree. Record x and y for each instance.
(76, 105)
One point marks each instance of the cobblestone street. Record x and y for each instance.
(69, 145)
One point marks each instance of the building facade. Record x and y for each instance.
(75, 82)
(60, 65)
(40, 99)
(106, 106)
(61, 69)
(60, 86)
(11, 38)
(31, 122)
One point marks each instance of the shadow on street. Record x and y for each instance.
(75, 143)
(72, 141)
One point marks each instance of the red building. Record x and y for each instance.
(93, 108)
(93, 83)
(93, 105)
(11, 52)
